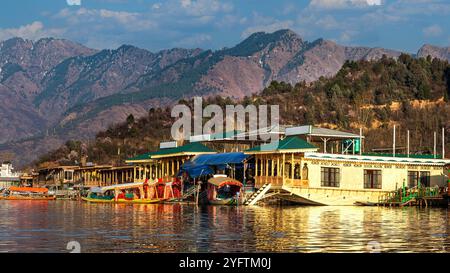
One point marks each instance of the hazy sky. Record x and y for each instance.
(158, 24)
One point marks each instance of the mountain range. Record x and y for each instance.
(52, 90)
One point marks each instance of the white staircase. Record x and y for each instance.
(258, 195)
(189, 192)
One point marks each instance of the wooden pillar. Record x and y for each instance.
(284, 162)
(256, 165)
(292, 166)
(173, 167)
(278, 166)
(266, 163)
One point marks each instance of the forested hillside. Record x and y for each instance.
(375, 95)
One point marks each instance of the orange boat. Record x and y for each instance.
(26, 193)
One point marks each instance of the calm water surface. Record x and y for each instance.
(35, 226)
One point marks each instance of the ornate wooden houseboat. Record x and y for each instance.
(295, 171)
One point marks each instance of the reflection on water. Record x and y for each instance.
(34, 226)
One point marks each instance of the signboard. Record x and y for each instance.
(199, 138)
(166, 145)
(300, 130)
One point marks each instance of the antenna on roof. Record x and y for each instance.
(443, 143)
(393, 144)
(434, 144)
(407, 143)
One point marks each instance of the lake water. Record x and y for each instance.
(35, 226)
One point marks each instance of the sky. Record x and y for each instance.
(213, 24)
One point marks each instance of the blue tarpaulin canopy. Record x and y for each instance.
(195, 171)
(219, 159)
(201, 164)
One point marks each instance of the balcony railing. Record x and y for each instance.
(277, 181)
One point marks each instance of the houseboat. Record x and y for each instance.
(8, 177)
(296, 171)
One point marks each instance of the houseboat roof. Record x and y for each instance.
(289, 144)
(313, 131)
(63, 167)
(229, 135)
(243, 137)
(193, 148)
(10, 179)
(377, 159)
(141, 157)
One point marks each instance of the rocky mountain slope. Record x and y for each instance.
(442, 53)
(53, 90)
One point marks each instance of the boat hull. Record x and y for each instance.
(331, 197)
(48, 198)
(123, 201)
(223, 202)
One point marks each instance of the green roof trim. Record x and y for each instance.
(193, 147)
(145, 156)
(190, 148)
(288, 143)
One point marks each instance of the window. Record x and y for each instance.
(297, 171)
(413, 178)
(68, 175)
(330, 177)
(425, 179)
(305, 172)
(372, 179)
(287, 169)
(260, 166)
(269, 168)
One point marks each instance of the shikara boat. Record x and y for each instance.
(222, 190)
(26, 193)
(129, 193)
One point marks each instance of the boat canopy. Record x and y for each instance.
(121, 186)
(219, 159)
(27, 189)
(96, 189)
(194, 170)
(223, 181)
(202, 164)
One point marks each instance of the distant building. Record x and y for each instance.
(7, 176)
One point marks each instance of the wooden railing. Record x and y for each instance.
(296, 183)
(277, 181)
(404, 195)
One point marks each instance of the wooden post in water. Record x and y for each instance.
(198, 193)
(403, 191)
(195, 191)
